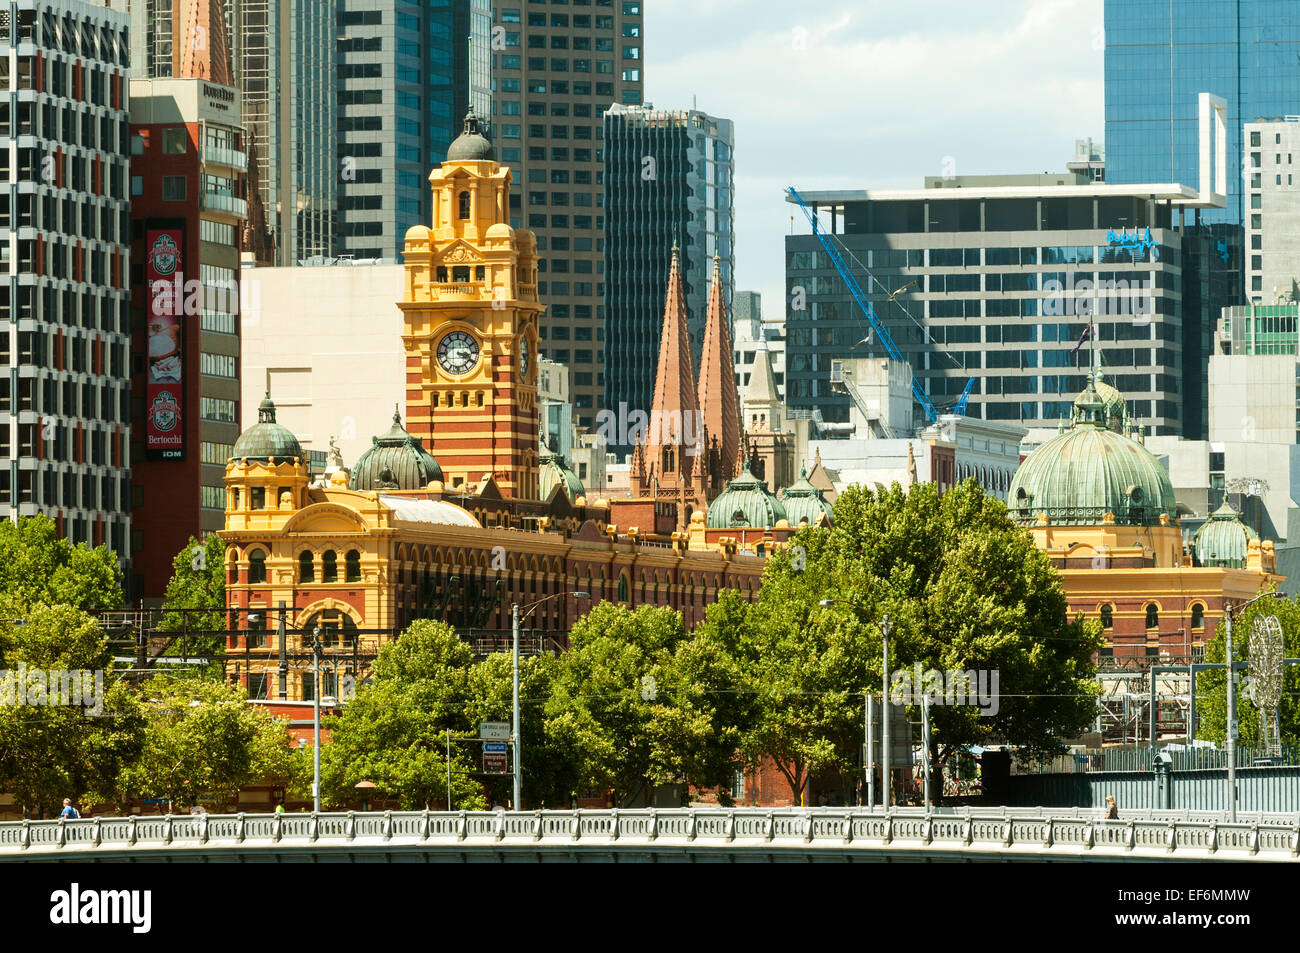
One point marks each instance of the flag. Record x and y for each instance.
(1087, 333)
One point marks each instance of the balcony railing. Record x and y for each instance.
(233, 158)
(221, 202)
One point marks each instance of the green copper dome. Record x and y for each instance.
(266, 438)
(1223, 539)
(745, 502)
(554, 471)
(1112, 401)
(803, 501)
(395, 461)
(1091, 470)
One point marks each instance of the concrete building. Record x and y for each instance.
(65, 315)
(751, 328)
(555, 74)
(407, 74)
(876, 445)
(997, 278)
(1271, 165)
(338, 377)
(187, 213)
(284, 59)
(669, 182)
(1089, 160)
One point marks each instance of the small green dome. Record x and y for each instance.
(266, 438)
(554, 471)
(1112, 402)
(1090, 470)
(745, 502)
(803, 501)
(1223, 539)
(395, 461)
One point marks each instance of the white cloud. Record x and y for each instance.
(874, 95)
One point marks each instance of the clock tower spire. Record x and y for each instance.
(470, 329)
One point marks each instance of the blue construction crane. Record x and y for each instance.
(922, 398)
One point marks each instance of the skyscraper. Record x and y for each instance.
(64, 302)
(1160, 55)
(283, 53)
(407, 74)
(668, 180)
(556, 70)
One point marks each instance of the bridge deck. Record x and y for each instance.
(678, 834)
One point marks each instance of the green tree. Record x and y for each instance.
(52, 751)
(964, 588)
(198, 584)
(1211, 687)
(394, 732)
(36, 566)
(204, 741)
(633, 706)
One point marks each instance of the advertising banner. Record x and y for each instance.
(164, 383)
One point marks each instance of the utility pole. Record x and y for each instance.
(315, 694)
(887, 796)
(925, 745)
(514, 727)
(1232, 716)
(871, 753)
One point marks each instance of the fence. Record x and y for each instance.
(1271, 789)
(1142, 758)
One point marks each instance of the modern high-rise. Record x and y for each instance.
(64, 302)
(996, 278)
(1160, 55)
(407, 74)
(668, 183)
(283, 53)
(187, 211)
(1272, 226)
(555, 70)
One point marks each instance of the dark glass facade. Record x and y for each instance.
(1160, 55)
(407, 72)
(668, 179)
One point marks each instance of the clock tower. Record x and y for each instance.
(470, 329)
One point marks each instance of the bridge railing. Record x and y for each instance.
(1043, 831)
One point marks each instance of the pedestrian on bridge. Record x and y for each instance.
(1112, 812)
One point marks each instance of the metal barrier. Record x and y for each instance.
(863, 834)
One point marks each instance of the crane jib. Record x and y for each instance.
(864, 303)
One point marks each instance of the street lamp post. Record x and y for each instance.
(514, 723)
(315, 694)
(884, 625)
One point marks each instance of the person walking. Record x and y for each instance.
(69, 811)
(1112, 812)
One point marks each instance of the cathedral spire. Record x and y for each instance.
(674, 412)
(717, 391)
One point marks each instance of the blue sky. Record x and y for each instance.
(873, 94)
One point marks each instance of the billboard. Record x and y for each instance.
(165, 370)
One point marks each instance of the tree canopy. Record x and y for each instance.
(36, 566)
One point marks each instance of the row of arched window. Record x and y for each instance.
(1153, 616)
(329, 570)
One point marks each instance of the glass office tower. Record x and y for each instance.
(1161, 54)
(407, 72)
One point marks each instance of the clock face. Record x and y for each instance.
(457, 353)
(523, 356)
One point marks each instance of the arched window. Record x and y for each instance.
(306, 568)
(464, 205)
(256, 567)
(1107, 617)
(1153, 616)
(329, 567)
(622, 587)
(353, 568)
(1198, 616)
